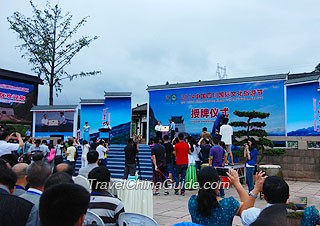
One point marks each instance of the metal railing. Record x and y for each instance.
(301, 140)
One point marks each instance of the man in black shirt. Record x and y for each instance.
(169, 157)
(158, 153)
(130, 159)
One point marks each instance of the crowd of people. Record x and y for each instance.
(37, 190)
(175, 159)
(40, 189)
(180, 158)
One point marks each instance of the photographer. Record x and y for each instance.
(251, 153)
(6, 148)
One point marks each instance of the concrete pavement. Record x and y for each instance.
(172, 209)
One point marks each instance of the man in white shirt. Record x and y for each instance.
(226, 133)
(157, 128)
(101, 149)
(275, 191)
(45, 123)
(7, 148)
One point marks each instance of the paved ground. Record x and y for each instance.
(173, 208)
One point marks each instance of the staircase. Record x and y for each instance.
(116, 158)
(78, 160)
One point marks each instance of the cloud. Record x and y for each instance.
(150, 42)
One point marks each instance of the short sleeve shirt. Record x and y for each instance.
(72, 151)
(217, 154)
(7, 148)
(222, 215)
(101, 150)
(182, 151)
(159, 152)
(226, 133)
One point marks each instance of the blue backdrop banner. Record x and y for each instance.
(303, 104)
(193, 108)
(117, 111)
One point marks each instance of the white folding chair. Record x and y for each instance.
(92, 218)
(84, 182)
(135, 219)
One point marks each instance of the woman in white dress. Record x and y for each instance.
(85, 150)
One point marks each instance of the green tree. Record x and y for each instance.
(252, 128)
(48, 44)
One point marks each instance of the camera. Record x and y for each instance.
(222, 171)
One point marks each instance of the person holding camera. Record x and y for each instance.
(251, 154)
(7, 148)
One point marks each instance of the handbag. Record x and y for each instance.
(51, 155)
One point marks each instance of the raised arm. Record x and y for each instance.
(250, 199)
(235, 181)
(20, 140)
(200, 141)
(246, 149)
(247, 200)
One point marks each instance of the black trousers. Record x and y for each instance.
(172, 133)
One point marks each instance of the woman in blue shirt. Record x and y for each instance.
(251, 153)
(207, 208)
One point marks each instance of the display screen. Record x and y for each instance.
(50, 123)
(16, 100)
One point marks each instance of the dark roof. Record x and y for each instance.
(91, 101)
(117, 94)
(12, 75)
(302, 78)
(220, 82)
(140, 108)
(54, 108)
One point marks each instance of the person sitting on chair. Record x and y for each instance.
(93, 158)
(102, 203)
(73, 198)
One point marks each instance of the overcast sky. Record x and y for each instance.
(150, 42)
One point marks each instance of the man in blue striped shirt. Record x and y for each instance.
(104, 204)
